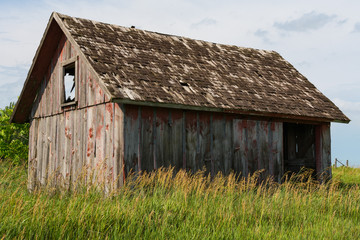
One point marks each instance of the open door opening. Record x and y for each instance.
(299, 147)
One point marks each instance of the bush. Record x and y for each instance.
(14, 138)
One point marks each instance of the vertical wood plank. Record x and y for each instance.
(61, 151)
(54, 91)
(178, 138)
(122, 145)
(240, 147)
(228, 144)
(118, 145)
(59, 86)
(204, 141)
(90, 143)
(80, 142)
(154, 139)
(139, 143)
(32, 161)
(90, 89)
(263, 148)
(40, 151)
(99, 94)
(183, 140)
(191, 140)
(74, 147)
(163, 141)
(47, 95)
(45, 155)
(82, 85)
(131, 138)
(99, 143)
(108, 119)
(323, 151)
(57, 149)
(279, 146)
(52, 149)
(67, 149)
(326, 150)
(50, 88)
(146, 140)
(219, 143)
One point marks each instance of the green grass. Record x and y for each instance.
(160, 206)
(347, 175)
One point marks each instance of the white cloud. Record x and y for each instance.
(347, 106)
(12, 74)
(204, 22)
(357, 27)
(308, 21)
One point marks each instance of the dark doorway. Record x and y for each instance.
(299, 147)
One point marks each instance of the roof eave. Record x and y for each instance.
(278, 116)
(22, 108)
(20, 114)
(58, 17)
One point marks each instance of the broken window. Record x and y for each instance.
(69, 83)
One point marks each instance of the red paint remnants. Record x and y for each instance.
(90, 82)
(91, 133)
(109, 109)
(272, 126)
(67, 115)
(98, 131)
(131, 111)
(67, 133)
(89, 149)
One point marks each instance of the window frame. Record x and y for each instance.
(64, 65)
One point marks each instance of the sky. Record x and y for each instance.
(321, 39)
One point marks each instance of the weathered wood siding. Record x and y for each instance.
(258, 145)
(156, 137)
(49, 97)
(323, 151)
(66, 140)
(64, 146)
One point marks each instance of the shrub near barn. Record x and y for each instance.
(14, 138)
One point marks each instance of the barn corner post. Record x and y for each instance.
(31, 159)
(323, 152)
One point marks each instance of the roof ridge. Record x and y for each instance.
(62, 16)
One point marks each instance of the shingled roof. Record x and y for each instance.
(137, 66)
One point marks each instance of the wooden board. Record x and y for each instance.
(131, 139)
(148, 163)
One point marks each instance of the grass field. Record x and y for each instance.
(159, 206)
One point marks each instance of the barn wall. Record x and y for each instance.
(48, 100)
(258, 145)
(64, 140)
(65, 146)
(155, 137)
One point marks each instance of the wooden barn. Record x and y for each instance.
(123, 99)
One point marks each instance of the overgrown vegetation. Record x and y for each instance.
(14, 138)
(163, 205)
(347, 175)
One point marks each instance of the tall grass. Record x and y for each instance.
(165, 205)
(347, 175)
